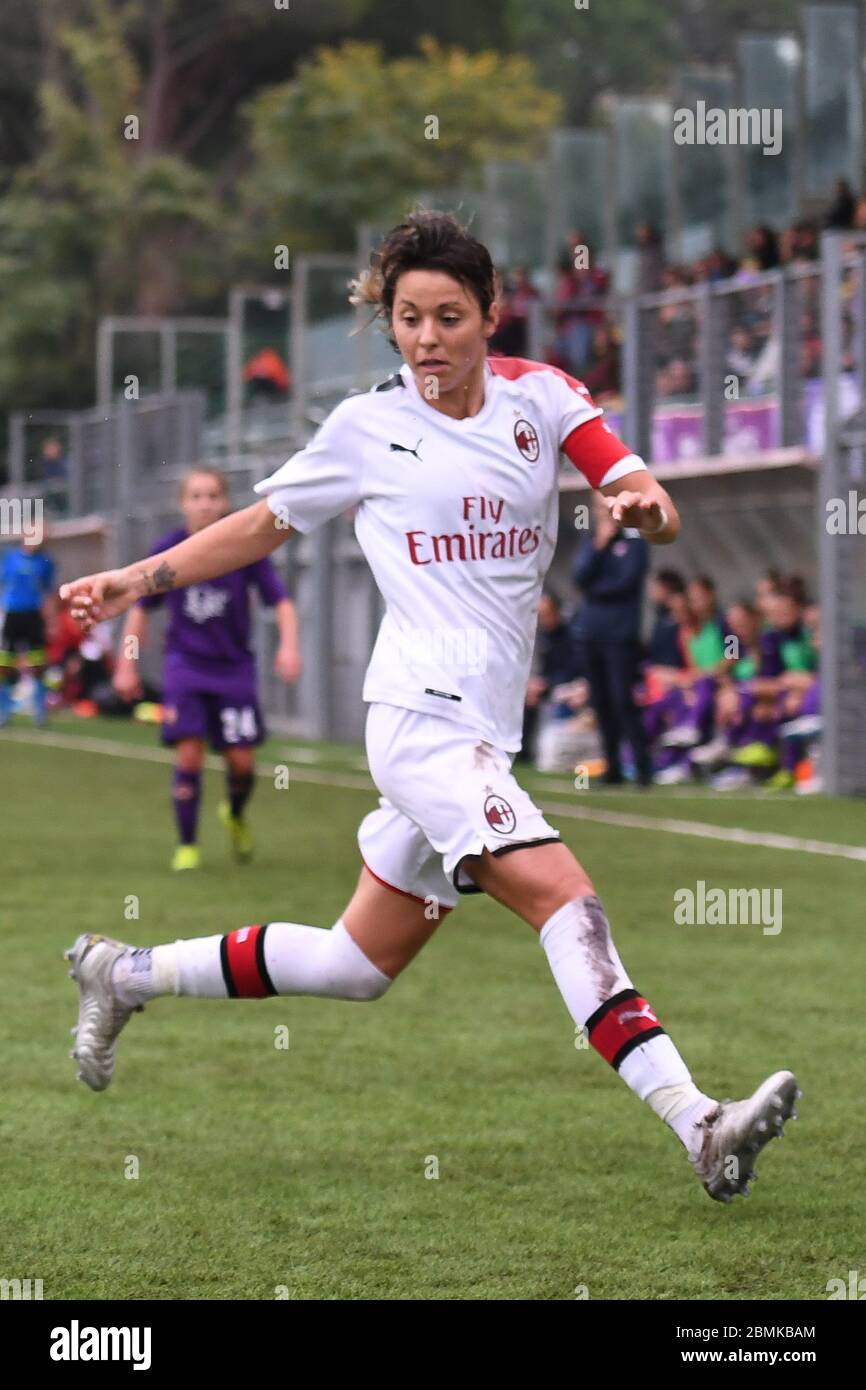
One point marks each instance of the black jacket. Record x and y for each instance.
(612, 581)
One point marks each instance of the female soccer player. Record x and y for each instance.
(451, 465)
(209, 673)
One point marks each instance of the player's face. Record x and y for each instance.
(440, 330)
(203, 501)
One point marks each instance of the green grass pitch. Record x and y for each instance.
(301, 1171)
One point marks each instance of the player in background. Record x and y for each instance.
(209, 675)
(452, 469)
(26, 585)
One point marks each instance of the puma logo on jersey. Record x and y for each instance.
(645, 1012)
(404, 449)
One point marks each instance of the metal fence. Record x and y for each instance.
(745, 511)
(104, 453)
(841, 541)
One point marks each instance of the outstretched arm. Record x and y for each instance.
(638, 500)
(229, 544)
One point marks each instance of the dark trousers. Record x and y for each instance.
(612, 671)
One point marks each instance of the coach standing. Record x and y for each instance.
(611, 570)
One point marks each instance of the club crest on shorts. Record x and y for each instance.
(499, 815)
(526, 439)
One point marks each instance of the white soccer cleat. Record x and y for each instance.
(737, 1130)
(100, 1015)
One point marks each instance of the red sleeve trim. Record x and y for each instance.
(513, 368)
(594, 448)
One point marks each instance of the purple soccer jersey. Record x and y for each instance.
(209, 673)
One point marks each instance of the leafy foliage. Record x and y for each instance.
(354, 136)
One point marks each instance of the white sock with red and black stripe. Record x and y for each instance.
(618, 1021)
(252, 963)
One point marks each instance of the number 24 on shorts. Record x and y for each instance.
(239, 723)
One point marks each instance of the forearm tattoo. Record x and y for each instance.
(163, 578)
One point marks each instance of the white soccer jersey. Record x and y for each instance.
(458, 522)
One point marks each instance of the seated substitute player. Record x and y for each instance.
(452, 466)
(26, 584)
(209, 686)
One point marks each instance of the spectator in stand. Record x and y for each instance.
(740, 358)
(266, 374)
(706, 640)
(610, 570)
(556, 662)
(664, 647)
(762, 249)
(840, 214)
(650, 258)
(798, 244)
(690, 708)
(677, 379)
(771, 675)
(811, 345)
(801, 709)
(744, 725)
(666, 655)
(579, 293)
(716, 265)
(512, 335)
(63, 638)
(53, 476)
(786, 644)
(602, 376)
(676, 328)
(764, 591)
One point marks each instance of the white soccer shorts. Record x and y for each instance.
(445, 794)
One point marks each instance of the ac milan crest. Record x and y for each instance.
(526, 439)
(499, 815)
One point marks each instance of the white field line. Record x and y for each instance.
(623, 820)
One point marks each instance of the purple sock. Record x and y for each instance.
(186, 792)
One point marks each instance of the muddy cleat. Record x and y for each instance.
(186, 857)
(240, 838)
(100, 1015)
(736, 1131)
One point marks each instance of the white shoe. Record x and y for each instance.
(806, 726)
(673, 776)
(100, 1015)
(737, 1130)
(717, 751)
(680, 736)
(730, 779)
(811, 787)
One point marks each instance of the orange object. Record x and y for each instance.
(267, 365)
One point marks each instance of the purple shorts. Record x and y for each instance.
(222, 707)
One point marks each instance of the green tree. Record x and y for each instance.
(96, 223)
(354, 137)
